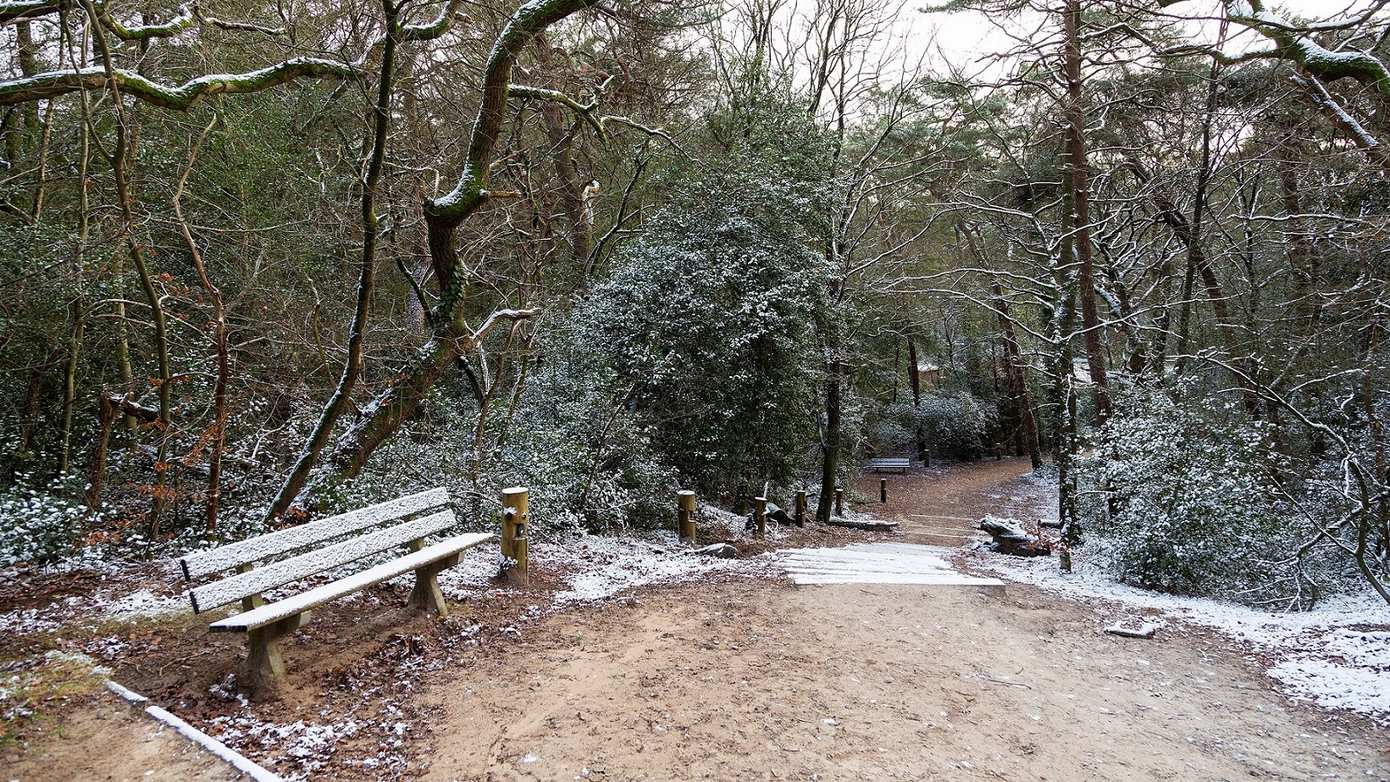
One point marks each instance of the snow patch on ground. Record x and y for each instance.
(142, 603)
(307, 746)
(599, 568)
(877, 563)
(1337, 655)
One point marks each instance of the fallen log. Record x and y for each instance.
(1009, 537)
(871, 525)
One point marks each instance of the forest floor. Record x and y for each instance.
(629, 660)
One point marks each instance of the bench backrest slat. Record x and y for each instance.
(252, 582)
(268, 546)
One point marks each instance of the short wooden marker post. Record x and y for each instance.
(882, 489)
(685, 516)
(839, 501)
(515, 517)
(800, 508)
(759, 517)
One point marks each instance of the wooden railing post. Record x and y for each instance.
(800, 508)
(882, 489)
(759, 517)
(839, 501)
(515, 517)
(685, 515)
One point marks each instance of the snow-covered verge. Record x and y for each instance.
(592, 568)
(127, 600)
(1336, 655)
(595, 568)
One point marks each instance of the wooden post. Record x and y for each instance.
(800, 508)
(685, 516)
(839, 501)
(882, 489)
(760, 517)
(515, 517)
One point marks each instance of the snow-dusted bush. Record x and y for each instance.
(1183, 499)
(579, 447)
(893, 427)
(40, 525)
(708, 325)
(956, 423)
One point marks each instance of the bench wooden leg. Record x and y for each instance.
(426, 595)
(264, 668)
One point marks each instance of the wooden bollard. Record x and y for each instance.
(839, 502)
(882, 489)
(515, 516)
(685, 516)
(759, 517)
(800, 508)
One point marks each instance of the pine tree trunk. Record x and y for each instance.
(1079, 177)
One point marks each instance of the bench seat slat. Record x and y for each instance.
(263, 547)
(889, 463)
(290, 606)
(220, 593)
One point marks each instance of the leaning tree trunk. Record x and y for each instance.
(453, 336)
(352, 367)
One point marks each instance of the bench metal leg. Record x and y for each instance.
(426, 595)
(264, 668)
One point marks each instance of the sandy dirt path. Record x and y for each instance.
(103, 740)
(769, 681)
(941, 505)
(750, 681)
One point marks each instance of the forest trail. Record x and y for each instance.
(767, 681)
(850, 682)
(941, 505)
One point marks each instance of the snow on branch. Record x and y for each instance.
(1341, 118)
(180, 97)
(478, 334)
(584, 110)
(433, 29)
(1295, 43)
(19, 10)
(187, 17)
(447, 211)
(181, 21)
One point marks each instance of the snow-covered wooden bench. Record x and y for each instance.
(278, 558)
(885, 463)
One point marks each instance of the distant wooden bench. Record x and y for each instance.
(278, 558)
(883, 464)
